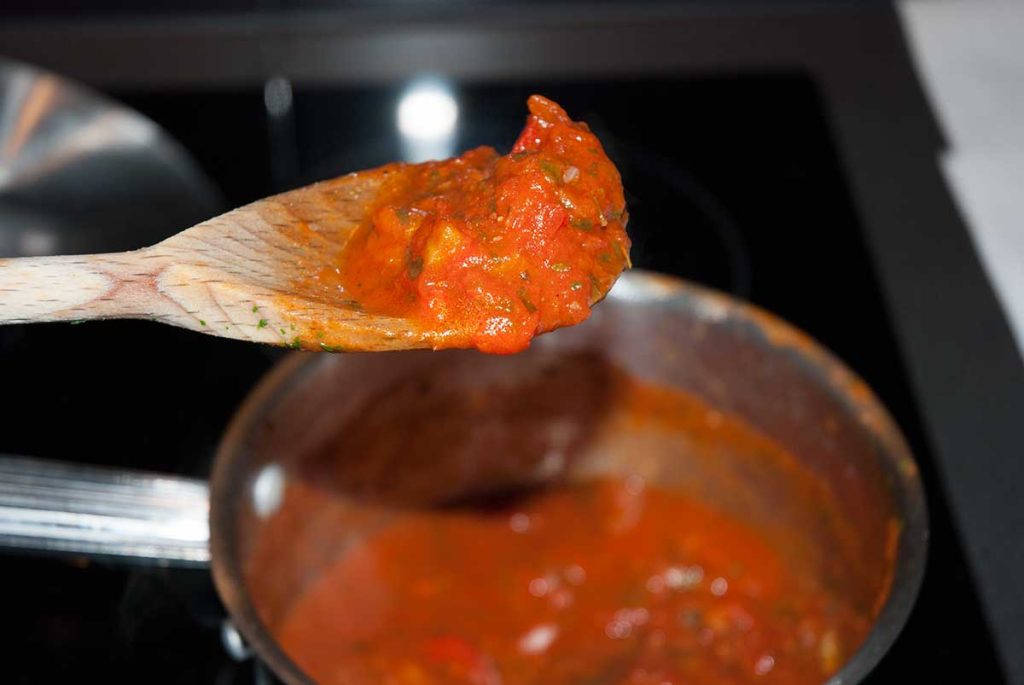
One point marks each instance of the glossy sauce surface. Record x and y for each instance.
(487, 251)
(601, 579)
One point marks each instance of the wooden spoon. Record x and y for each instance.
(271, 271)
(232, 276)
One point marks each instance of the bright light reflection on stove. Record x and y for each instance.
(426, 118)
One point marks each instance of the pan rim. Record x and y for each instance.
(641, 287)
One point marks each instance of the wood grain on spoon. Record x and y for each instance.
(479, 251)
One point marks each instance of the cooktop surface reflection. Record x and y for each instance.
(732, 182)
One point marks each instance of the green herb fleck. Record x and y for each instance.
(613, 214)
(560, 267)
(516, 156)
(604, 258)
(201, 322)
(530, 306)
(283, 332)
(255, 309)
(691, 618)
(296, 343)
(623, 255)
(77, 321)
(585, 225)
(551, 170)
(576, 285)
(262, 323)
(415, 267)
(330, 348)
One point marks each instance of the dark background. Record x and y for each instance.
(754, 206)
(802, 180)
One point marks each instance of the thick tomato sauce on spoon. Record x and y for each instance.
(487, 251)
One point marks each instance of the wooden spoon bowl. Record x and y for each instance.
(479, 251)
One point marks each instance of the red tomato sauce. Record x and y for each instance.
(488, 251)
(612, 580)
(604, 583)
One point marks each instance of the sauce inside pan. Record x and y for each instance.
(553, 520)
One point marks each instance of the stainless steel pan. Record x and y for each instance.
(734, 357)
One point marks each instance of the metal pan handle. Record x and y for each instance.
(62, 508)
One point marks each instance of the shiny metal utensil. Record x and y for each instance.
(80, 173)
(48, 506)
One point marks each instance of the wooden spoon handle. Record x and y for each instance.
(81, 287)
(155, 283)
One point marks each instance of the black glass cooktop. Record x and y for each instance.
(731, 181)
